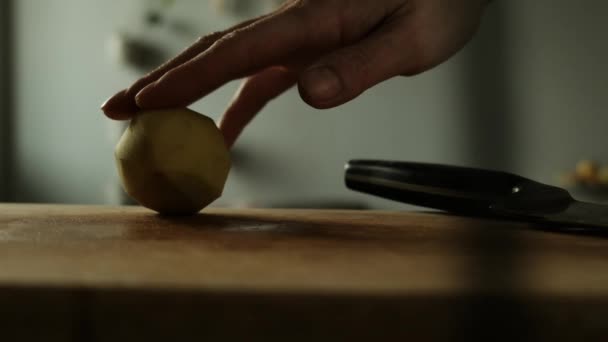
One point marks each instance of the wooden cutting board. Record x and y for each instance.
(113, 273)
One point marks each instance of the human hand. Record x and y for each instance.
(333, 49)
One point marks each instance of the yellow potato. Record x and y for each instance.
(173, 161)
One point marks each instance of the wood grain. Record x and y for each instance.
(108, 273)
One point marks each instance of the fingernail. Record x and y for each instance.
(119, 106)
(110, 110)
(111, 99)
(105, 103)
(321, 83)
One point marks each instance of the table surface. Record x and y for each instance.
(288, 257)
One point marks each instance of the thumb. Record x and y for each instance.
(344, 74)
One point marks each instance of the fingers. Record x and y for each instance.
(344, 74)
(122, 105)
(252, 96)
(266, 43)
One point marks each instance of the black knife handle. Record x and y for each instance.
(450, 188)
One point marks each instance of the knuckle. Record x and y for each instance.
(236, 41)
(228, 37)
(302, 9)
(319, 20)
(419, 55)
(298, 4)
(418, 61)
(358, 57)
(353, 65)
(208, 39)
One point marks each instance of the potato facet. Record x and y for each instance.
(173, 161)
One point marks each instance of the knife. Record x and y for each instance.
(472, 191)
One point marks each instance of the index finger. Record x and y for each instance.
(268, 42)
(122, 105)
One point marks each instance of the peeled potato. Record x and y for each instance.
(173, 161)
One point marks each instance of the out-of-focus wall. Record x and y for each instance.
(558, 83)
(62, 144)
